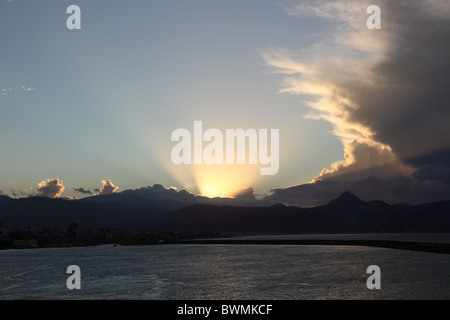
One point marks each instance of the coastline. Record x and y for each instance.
(443, 248)
(423, 246)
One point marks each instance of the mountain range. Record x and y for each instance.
(345, 214)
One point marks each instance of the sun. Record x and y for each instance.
(216, 180)
(211, 191)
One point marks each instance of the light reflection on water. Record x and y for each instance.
(223, 272)
(418, 237)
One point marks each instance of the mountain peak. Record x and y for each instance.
(346, 199)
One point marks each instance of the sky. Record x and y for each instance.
(92, 111)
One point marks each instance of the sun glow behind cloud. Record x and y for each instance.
(218, 180)
(215, 180)
(208, 180)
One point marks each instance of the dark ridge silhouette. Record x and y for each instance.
(46, 212)
(345, 214)
(402, 205)
(4, 199)
(169, 199)
(278, 205)
(198, 217)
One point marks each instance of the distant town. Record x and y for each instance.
(74, 236)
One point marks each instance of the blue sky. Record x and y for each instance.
(358, 110)
(104, 100)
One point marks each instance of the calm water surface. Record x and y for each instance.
(223, 272)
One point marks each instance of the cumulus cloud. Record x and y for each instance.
(384, 91)
(83, 191)
(52, 188)
(108, 188)
(362, 157)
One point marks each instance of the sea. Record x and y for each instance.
(229, 272)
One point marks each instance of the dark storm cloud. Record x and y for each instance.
(408, 107)
(392, 101)
(433, 172)
(83, 191)
(367, 184)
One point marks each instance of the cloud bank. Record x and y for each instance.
(386, 94)
(158, 194)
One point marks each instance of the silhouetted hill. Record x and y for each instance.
(402, 205)
(165, 204)
(197, 218)
(431, 216)
(39, 211)
(278, 205)
(168, 199)
(351, 214)
(345, 201)
(345, 214)
(4, 199)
